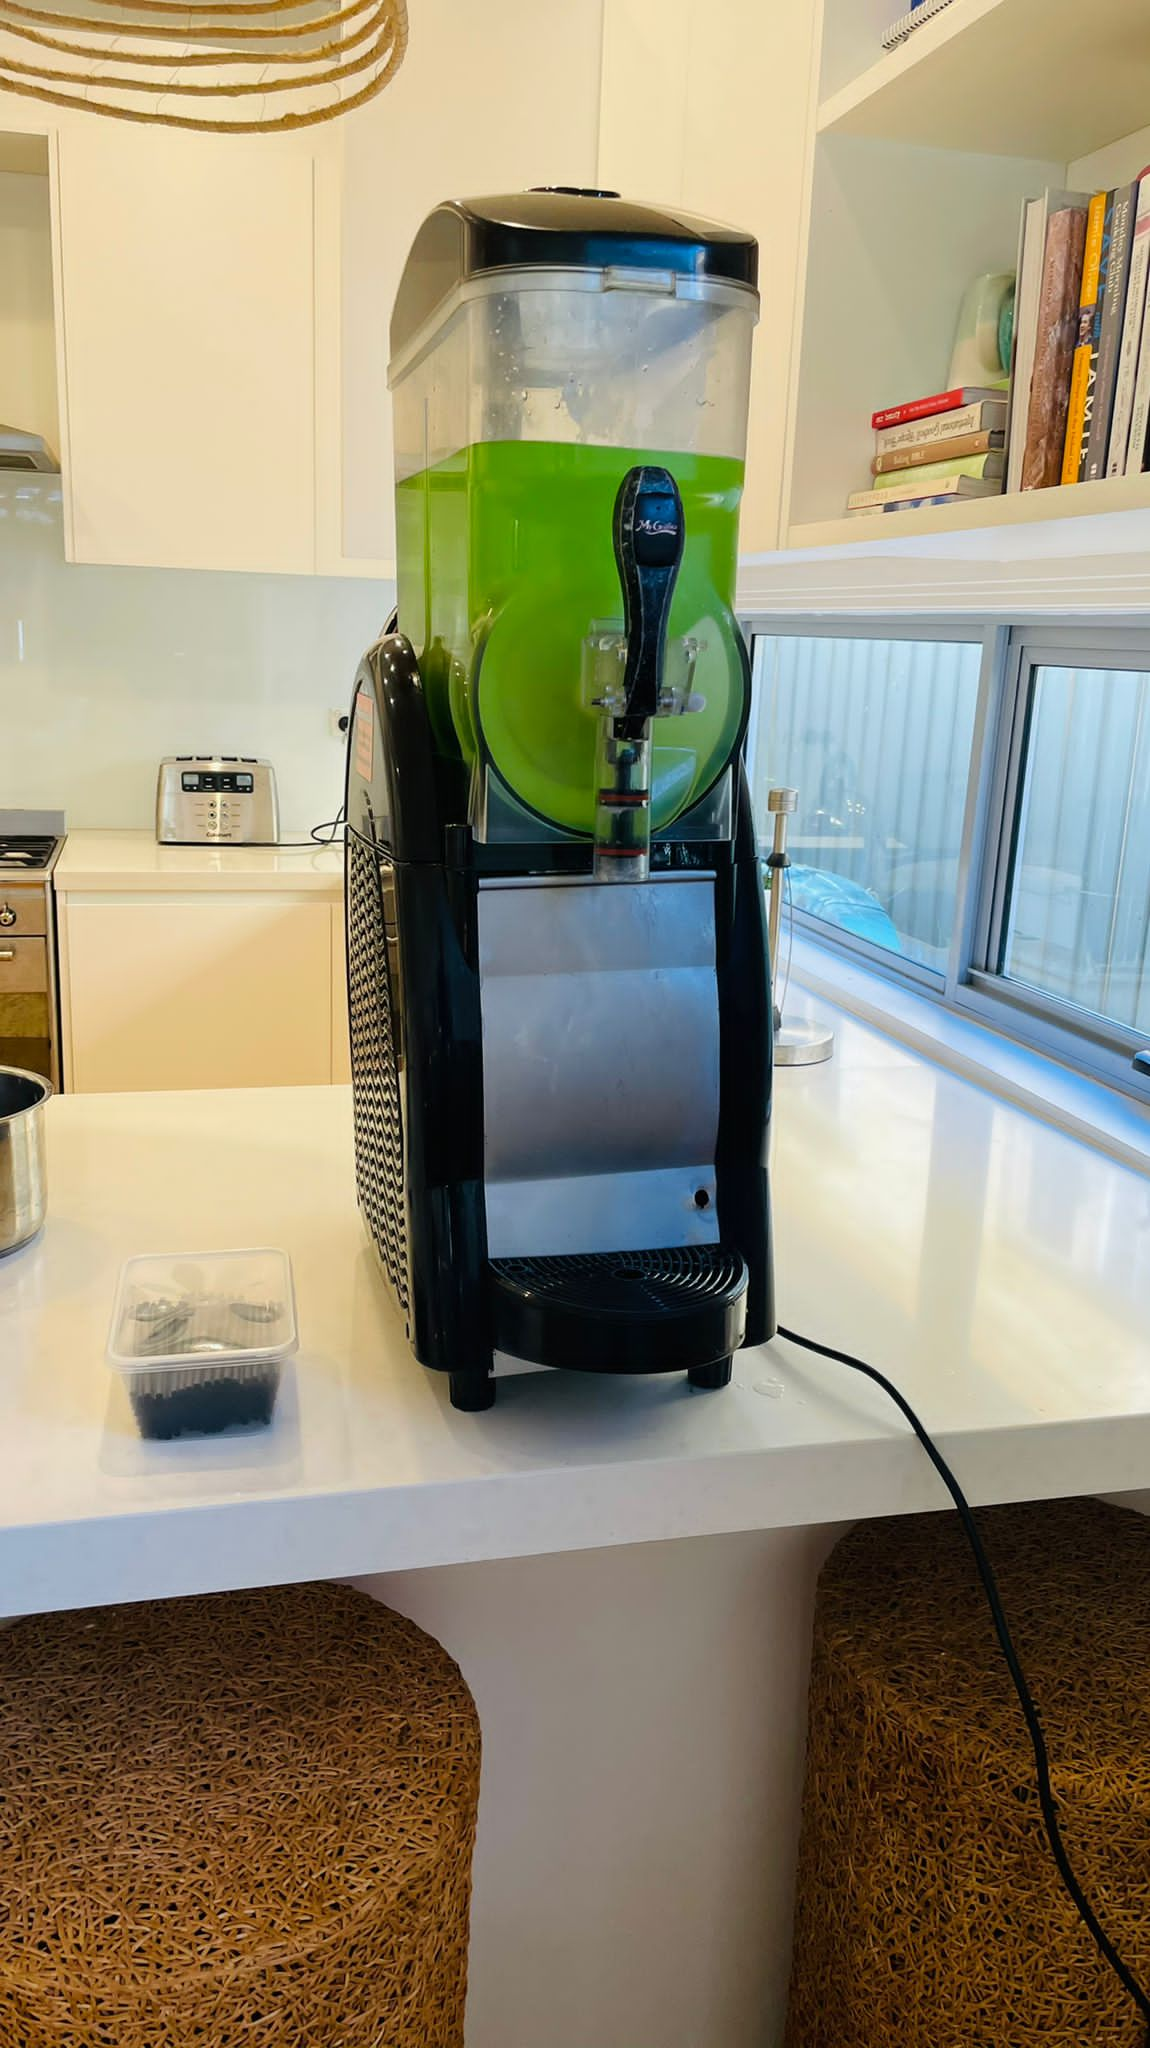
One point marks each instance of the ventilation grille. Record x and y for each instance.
(631, 1283)
(375, 1064)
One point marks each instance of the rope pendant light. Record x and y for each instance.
(233, 67)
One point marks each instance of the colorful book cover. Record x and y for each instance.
(1053, 348)
(1095, 338)
(1084, 345)
(939, 401)
(1116, 263)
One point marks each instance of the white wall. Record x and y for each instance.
(103, 671)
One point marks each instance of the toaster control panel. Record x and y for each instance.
(213, 800)
(230, 782)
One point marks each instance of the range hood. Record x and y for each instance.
(26, 451)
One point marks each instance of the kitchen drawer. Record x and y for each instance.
(23, 965)
(23, 913)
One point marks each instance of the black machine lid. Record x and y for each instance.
(560, 227)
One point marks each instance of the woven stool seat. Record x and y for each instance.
(238, 1821)
(929, 1912)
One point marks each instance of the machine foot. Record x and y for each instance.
(471, 1392)
(717, 1374)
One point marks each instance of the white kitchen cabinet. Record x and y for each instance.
(488, 99)
(187, 266)
(340, 1028)
(726, 90)
(196, 991)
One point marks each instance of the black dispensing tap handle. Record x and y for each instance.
(648, 533)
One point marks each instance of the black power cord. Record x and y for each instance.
(326, 834)
(1030, 1715)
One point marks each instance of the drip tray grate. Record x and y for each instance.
(651, 1311)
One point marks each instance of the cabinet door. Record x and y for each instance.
(185, 992)
(186, 266)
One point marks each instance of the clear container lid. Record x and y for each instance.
(468, 242)
(180, 1310)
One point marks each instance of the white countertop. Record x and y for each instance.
(134, 861)
(999, 1270)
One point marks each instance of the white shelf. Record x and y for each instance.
(1015, 508)
(1030, 78)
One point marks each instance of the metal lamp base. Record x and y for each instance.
(799, 1043)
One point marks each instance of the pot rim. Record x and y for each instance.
(40, 1081)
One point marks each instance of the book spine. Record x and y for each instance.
(1061, 285)
(1117, 261)
(896, 505)
(1019, 366)
(1131, 332)
(923, 487)
(925, 473)
(936, 451)
(986, 417)
(1140, 411)
(1080, 368)
(936, 497)
(1095, 342)
(917, 409)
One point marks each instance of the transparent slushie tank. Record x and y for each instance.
(544, 347)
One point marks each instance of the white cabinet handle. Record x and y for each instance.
(7, 952)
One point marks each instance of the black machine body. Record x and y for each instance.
(562, 1087)
(557, 953)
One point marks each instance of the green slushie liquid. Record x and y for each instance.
(506, 562)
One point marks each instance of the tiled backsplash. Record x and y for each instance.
(103, 671)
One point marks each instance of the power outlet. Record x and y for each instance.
(337, 724)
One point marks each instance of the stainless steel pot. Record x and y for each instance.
(23, 1176)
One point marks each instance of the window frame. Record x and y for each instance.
(972, 984)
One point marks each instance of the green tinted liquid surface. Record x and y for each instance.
(506, 562)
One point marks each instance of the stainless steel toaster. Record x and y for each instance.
(215, 800)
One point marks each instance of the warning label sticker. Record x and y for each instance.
(364, 734)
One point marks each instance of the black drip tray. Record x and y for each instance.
(658, 1311)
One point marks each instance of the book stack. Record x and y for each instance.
(1080, 382)
(930, 451)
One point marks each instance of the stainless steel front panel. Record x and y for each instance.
(601, 1064)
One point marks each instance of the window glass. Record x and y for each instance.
(876, 737)
(1078, 919)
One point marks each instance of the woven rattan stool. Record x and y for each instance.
(242, 1821)
(929, 1914)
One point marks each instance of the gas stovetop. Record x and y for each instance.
(20, 855)
(29, 843)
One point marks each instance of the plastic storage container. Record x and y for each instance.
(199, 1338)
(544, 344)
